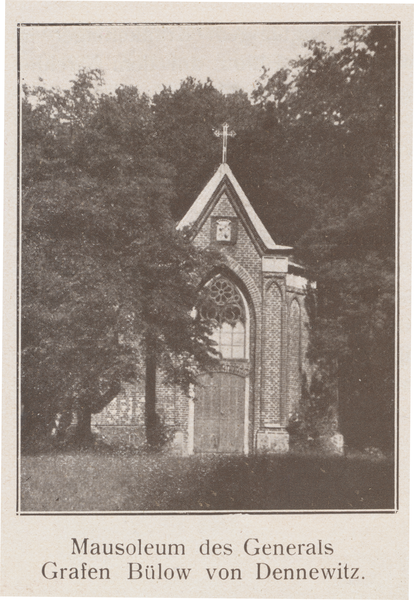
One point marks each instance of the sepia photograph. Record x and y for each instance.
(208, 263)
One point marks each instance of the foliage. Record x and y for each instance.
(317, 417)
(339, 109)
(185, 119)
(104, 176)
(102, 262)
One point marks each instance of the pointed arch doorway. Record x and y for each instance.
(221, 403)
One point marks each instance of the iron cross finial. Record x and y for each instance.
(224, 134)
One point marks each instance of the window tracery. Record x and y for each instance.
(223, 305)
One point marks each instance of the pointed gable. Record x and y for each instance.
(223, 189)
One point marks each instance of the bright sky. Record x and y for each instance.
(150, 56)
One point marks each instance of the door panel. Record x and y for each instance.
(219, 413)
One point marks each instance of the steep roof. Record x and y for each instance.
(204, 197)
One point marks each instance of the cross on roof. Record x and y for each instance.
(224, 135)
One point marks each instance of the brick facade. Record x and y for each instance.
(122, 421)
(271, 405)
(277, 334)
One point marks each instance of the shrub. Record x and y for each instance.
(317, 416)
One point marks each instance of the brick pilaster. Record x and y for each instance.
(271, 353)
(284, 410)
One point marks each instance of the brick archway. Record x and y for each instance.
(223, 396)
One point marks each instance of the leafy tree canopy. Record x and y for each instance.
(102, 261)
(339, 110)
(106, 174)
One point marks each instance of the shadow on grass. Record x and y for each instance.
(273, 483)
(137, 481)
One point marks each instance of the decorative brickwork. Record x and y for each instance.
(272, 352)
(248, 281)
(294, 361)
(123, 419)
(126, 409)
(244, 253)
(121, 422)
(240, 367)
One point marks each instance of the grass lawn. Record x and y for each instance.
(97, 481)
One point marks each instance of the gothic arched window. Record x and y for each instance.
(224, 306)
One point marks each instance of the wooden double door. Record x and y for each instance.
(219, 413)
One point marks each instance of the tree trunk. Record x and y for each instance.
(83, 429)
(151, 420)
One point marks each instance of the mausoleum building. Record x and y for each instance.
(256, 297)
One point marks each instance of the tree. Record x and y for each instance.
(338, 109)
(315, 153)
(260, 155)
(184, 120)
(108, 283)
